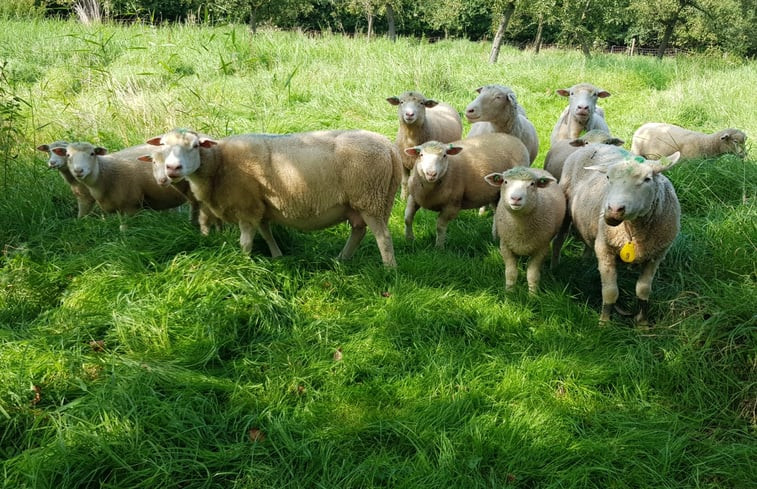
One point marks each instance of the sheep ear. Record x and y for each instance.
(563, 92)
(59, 151)
(478, 90)
(155, 141)
(99, 151)
(428, 103)
(603, 94)
(393, 100)
(43, 147)
(453, 150)
(512, 99)
(578, 142)
(145, 158)
(495, 179)
(599, 168)
(207, 143)
(414, 151)
(666, 162)
(542, 182)
(725, 137)
(615, 142)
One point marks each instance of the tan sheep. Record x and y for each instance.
(622, 206)
(422, 120)
(308, 181)
(496, 109)
(450, 177)
(657, 139)
(581, 114)
(529, 214)
(199, 213)
(84, 200)
(560, 150)
(117, 181)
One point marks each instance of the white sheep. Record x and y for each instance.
(657, 139)
(581, 114)
(563, 148)
(199, 213)
(529, 214)
(496, 109)
(117, 181)
(308, 181)
(622, 206)
(450, 177)
(422, 120)
(84, 200)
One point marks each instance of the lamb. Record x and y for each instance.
(422, 120)
(529, 215)
(496, 109)
(309, 181)
(199, 213)
(563, 148)
(117, 181)
(623, 206)
(582, 113)
(84, 200)
(657, 139)
(450, 177)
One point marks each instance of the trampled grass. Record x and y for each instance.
(156, 357)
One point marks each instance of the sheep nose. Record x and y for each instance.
(515, 199)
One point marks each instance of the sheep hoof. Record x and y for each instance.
(604, 318)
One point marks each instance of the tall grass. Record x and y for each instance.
(155, 357)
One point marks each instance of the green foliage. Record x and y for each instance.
(157, 357)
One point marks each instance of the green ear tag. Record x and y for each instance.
(628, 252)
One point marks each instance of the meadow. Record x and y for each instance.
(154, 357)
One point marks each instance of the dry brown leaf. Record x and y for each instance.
(338, 355)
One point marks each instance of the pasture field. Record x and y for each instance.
(159, 358)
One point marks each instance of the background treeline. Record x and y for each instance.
(728, 26)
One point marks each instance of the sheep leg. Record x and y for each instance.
(445, 216)
(609, 278)
(410, 209)
(644, 290)
(247, 232)
(273, 246)
(380, 231)
(559, 240)
(357, 233)
(533, 272)
(403, 185)
(84, 206)
(511, 266)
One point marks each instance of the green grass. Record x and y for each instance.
(156, 357)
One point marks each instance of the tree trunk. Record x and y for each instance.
(537, 39)
(669, 27)
(370, 25)
(499, 36)
(253, 19)
(390, 21)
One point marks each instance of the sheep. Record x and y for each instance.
(199, 213)
(582, 113)
(563, 148)
(422, 120)
(117, 181)
(308, 181)
(529, 215)
(449, 177)
(657, 139)
(496, 109)
(84, 200)
(623, 206)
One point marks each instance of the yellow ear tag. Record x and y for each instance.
(628, 252)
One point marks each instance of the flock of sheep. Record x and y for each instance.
(618, 202)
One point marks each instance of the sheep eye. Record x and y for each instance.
(196, 145)
(648, 179)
